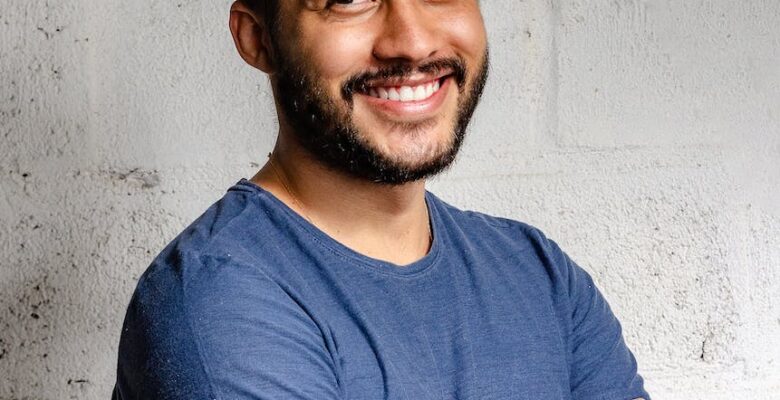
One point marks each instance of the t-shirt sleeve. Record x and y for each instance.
(602, 366)
(202, 329)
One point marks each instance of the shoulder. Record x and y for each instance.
(486, 226)
(524, 246)
(194, 307)
(209, 260)
(216, 241)
(225, 222)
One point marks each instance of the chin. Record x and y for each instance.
(419, 155)
(415, 144)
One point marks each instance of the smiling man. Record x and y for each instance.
(333, 273)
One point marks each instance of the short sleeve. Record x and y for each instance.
(602, 367)
(201, 329)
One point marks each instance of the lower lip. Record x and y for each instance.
(411, 108)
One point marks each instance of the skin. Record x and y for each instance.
(386, 222)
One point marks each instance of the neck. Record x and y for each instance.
(386, 222)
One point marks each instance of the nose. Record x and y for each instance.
(408, 33)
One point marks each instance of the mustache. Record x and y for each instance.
(359, 82)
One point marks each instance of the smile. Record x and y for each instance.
(406, 93)
(410, 99)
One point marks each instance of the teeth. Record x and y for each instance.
(406, 93)
(419, 93)
(392, 94)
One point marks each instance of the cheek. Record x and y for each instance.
(465, 31)
(336, 56)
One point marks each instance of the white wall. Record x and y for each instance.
(641, 135)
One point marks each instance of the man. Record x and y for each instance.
(332, 273)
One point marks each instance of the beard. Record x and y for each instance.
(325, 128)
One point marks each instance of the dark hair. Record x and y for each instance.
(269, 10)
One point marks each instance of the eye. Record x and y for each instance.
(347, 2)
(349, 5)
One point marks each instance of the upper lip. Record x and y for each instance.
(414, 80)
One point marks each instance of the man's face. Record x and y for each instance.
(382, 89)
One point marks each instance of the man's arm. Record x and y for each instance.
(603, 366)
(201, 329)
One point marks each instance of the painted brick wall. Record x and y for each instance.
(642, 135)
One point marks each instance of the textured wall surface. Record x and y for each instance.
(642, 135)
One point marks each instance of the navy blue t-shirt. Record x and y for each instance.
(251, 301)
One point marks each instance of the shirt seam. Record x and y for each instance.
(347, 258)
(367, 266)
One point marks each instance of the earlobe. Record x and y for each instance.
(251, 37)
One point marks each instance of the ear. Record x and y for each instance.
(251, 36)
